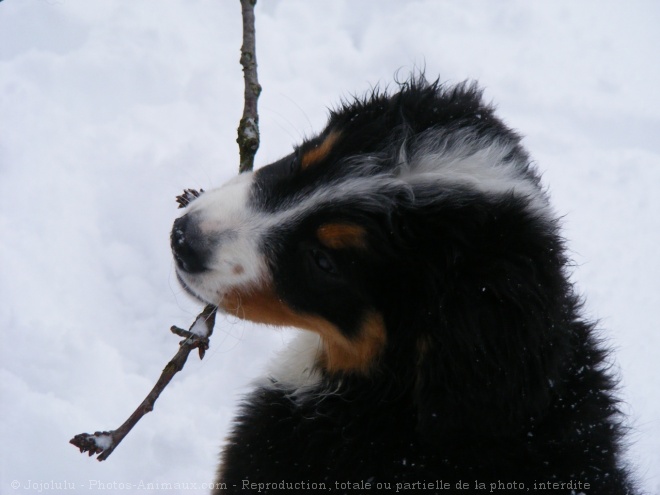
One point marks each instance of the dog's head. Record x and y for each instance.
(412, 230)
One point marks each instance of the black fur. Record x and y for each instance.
(490, 374)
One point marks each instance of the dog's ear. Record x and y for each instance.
(487, 362)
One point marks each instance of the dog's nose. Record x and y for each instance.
(188, 245)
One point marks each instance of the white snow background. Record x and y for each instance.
(108, 109)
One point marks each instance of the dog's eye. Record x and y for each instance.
(323, 261)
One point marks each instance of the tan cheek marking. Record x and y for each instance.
(339, 354)
(320, 151)
(358, 353)
(263, 306)
(340, 235)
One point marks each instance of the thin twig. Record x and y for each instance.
(248, 128)
(197, 337)
(188, 196)
(104, 443)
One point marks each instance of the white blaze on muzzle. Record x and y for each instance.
(216, 243)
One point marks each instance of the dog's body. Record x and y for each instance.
(413, 240)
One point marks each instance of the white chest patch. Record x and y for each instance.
(294, 367)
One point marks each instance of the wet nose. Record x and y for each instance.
(188, 245)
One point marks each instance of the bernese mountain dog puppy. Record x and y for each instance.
(443, 346)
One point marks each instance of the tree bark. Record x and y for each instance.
(248, 128)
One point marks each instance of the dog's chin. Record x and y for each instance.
(194, 293)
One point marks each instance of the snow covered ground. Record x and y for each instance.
(109, 109)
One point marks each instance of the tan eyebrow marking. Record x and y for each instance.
(342, 235)
(321, 150)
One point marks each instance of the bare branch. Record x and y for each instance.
(248, 128)
(104, 443)
(188, 196)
